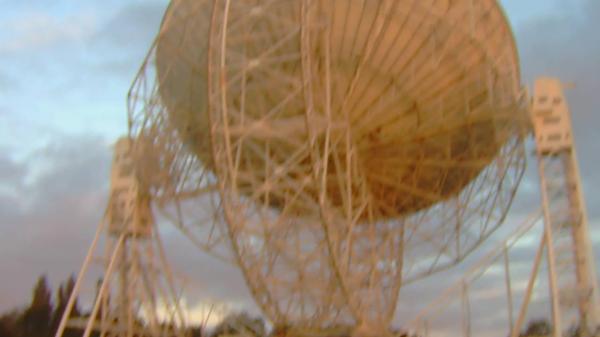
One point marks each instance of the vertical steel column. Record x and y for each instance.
(551, 259)
(561, 189)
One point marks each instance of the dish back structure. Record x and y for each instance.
(334, 150)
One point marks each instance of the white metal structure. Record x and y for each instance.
(136, 296)
(571, 261)
(572, 286)
(335, 150)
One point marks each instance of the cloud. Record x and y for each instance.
(36, 30)
(55, 62)
(132, 26)
(204, 278)
(567, 45)
(51, 203)
(7, 84)
(11, 173)
(128, 35)
(51, 212)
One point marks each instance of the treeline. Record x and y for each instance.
(541, 327)
(42, 316)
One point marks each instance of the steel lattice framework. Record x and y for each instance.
(136, 295)
(334, 150)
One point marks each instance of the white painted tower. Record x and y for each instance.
(570, 259)
(136, 296)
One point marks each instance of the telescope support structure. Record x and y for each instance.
(572, 276)
(135, 296)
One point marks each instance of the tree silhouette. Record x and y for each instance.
(537, 328)
(240, 324)
(41, 318)
(36, 318)
(8, 324)
(63, 294)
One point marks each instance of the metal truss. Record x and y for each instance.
(335, 151)
(571, 287)
(136, 295)
(572, 273)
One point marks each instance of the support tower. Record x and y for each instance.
(572, 275)
(136, 296)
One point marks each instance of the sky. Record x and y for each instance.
(65, 69)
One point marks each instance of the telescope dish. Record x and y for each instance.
(348, 147)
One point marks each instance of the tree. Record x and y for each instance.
(63, 294)
(240, 324)
(8, 324)
(575, 331)
(69, 288)
(36, 318)
(537, 328)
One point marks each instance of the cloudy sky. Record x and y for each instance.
(65, 68)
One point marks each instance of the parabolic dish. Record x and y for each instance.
(347, 147)
(425, 100)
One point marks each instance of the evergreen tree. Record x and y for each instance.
(69, 288)
(8, 324)
(242, 324)
(36, 318)
(63, 293)
(537, 328)
(60, 305)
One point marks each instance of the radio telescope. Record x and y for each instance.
(334, 150)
